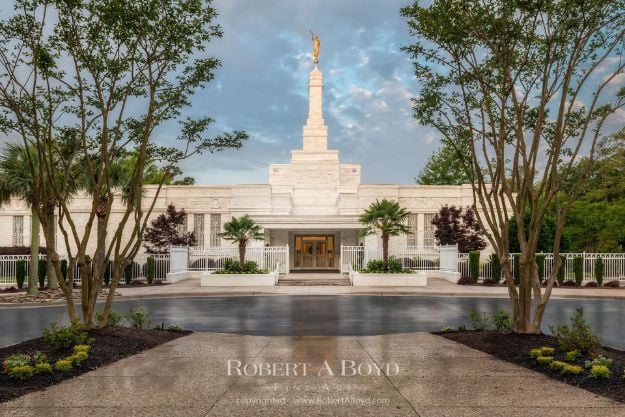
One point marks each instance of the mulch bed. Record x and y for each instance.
(110, 345)
(515, 348)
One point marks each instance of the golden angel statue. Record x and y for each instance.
(316, 46)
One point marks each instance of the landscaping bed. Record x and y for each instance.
(515, 348)
(107, 346)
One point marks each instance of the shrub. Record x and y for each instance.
(517, 268)
(502, 320)
(560, 276)
(578, 270)
(613, 284)
(63, 365)
(174, 328)
(572, 355)
(599, 271)
(599, 361)
(78, 357)
(465, 280)
(20, 272)
(547, 351)
(599, 371)
(81, 348)
(557, 365)
(571, 369)
(394, 265)
(544, 360)
(488, 282)
(249, 267)
(447, 329)
(375, 265)
(495, 267)
(474, 264)
(540, 266)
(138, 318)
(65, 336)
(64, 269)
(569, 283)
(114, 318)
(535, 353)
(40, 357)
(21, 372)
(591, 284)
(150, 269)
(128, 273)
(14, 361)
(42, 269)
(479, 321)
(579, 337)
(43, 368)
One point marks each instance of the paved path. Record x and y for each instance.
(435, 287)
(188, 377)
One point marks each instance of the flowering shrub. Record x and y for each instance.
(14, 361)
(599, 361)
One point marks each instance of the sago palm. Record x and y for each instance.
(241, 230)
(387, 218)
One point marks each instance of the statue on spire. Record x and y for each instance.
(316, 46)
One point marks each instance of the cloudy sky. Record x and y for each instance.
(262, 88)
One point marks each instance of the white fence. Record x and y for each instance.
(213, 258)
(411, 257)
(136, 272)
(613, 266)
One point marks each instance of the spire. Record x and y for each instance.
(315, 131)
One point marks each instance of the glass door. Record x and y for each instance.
(314, 252)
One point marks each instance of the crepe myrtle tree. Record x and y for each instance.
(96, 78)
(387, 218)
(529, 88)
(241, 230)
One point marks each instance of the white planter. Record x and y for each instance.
(416, 279)
(210, 279)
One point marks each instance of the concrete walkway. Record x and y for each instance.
(433, 377)
(435, 287)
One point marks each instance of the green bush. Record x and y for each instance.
(77, 358)
(571, 369)
(572, 355)
(502, 321)
(479, 321)
(495, 267)
(517, 268)
(535, 353)
(547, 351)
(40, 357)
(599, 371)
(578, 337)
(474, 265)
(114, 318)
(43, 368)
(20, 272)
(599, 361)
(63, 365)
(599, 271)
(540, 266)
(64, 269)
(560, 276)
(81, 348)
(65, 336)
(42, 269)
(138, 318)
(394, 265)
(128, 273)
(174, 328)
(375, 265)
(249, 267)
(544, 360)
(578, 270)
(14, 361)
(21, 372)
(150, 269)
(233, 267)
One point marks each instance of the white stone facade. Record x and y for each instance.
(314, 195)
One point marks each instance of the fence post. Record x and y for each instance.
(178, 258)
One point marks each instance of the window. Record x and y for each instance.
(18, 230)
(215, 239)
(198, 229)
(412, 226)
(428, 230)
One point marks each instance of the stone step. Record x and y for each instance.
(313, 282)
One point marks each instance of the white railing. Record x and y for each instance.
(613, 266)
(411, 257)
(213, 258)
(137, 272)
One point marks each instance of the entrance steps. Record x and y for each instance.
(314, 279)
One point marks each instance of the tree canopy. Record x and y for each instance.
(445, 167)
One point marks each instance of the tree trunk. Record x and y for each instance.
(33, 270)
(385, 238)
(241, 253)
(51, 246)
(524, 319)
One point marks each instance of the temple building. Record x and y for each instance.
(311, 204)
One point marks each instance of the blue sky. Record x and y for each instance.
(262, 88)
